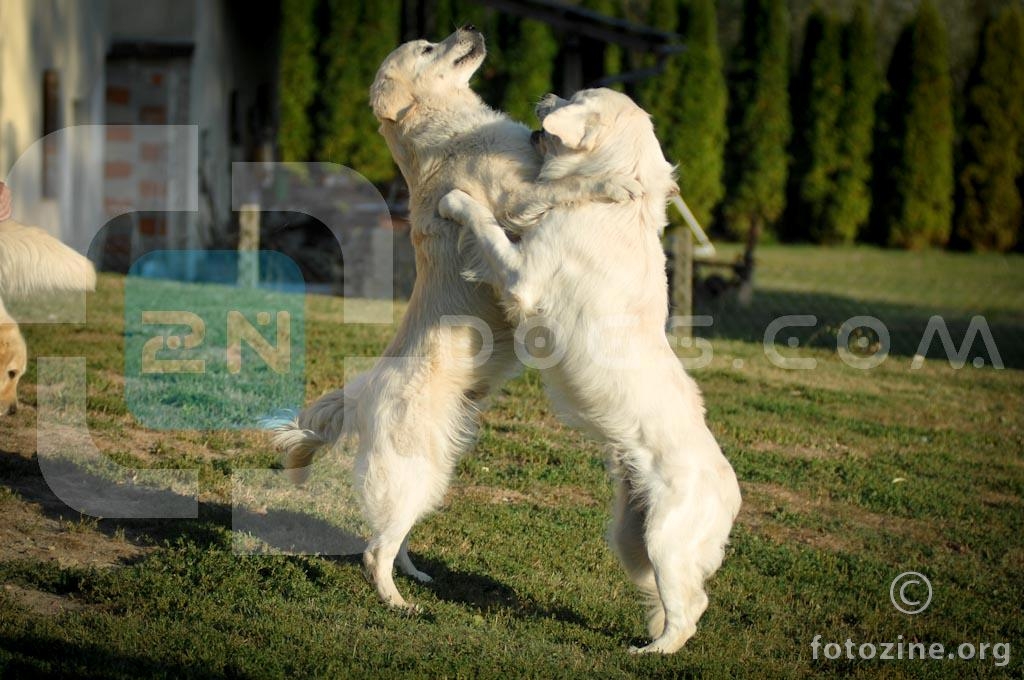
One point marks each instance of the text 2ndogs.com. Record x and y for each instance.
(901, 650)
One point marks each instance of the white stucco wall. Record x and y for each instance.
(69, 36)
(75, 37)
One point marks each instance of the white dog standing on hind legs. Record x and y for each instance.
(592, 277)
(415, 412)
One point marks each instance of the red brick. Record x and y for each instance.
(117, 170)
(151, 189)
(119, 133)
(118, 95)
(153, 115)
(152, 152)
(152, 226)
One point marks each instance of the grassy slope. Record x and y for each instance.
(524, 583)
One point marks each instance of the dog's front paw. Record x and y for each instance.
(455, 206)
(526, 214)
(620, 189)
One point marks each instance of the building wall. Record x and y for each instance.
(74, 37)
(69, 36)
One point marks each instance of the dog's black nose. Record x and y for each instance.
(469, 27)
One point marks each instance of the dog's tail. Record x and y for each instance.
(32, 261)
(320, 425)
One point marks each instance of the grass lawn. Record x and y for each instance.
(850, 478)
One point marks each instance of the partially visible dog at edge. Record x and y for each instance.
(593, 276)
(31, 261)
(416, 411)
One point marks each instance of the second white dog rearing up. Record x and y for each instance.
(591, 278)
(415, 411)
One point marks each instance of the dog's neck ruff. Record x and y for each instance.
(428, 131)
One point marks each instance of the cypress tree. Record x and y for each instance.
(530, 61)
(359, 36)
(856, 124)
(922, 179)
(817, 107)
(297, 77)
(657, 93)
(989, 206)
(613, 56)
(694, 133)
(342, 79)
(760, 126)
(378, 35)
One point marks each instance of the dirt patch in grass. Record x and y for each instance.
(789, 516)
(828, 451)
(37, 525)
(567, 496)
(40, 602)
(32, 532)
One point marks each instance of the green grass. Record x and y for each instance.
(901, 289)
(850, 477)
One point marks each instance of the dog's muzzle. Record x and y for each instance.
(476, 41)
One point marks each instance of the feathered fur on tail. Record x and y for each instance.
(327, 420)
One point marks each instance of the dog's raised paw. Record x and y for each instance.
(621, 189)
(454, 204)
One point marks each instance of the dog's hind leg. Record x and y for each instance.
(626, 537)
(406, 565)
(397, 490)
(678, 574)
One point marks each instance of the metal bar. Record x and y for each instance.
(592, 25)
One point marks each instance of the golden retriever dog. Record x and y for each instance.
(415, 412)
(31, 261)
(592, 279)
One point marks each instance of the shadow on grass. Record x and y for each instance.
(287, 531)
(490, 596)
(906, 324)
(32, 656)
(280, 529)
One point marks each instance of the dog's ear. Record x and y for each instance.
(574, 126)
(389, 98)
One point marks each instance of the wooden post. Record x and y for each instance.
(249, 245)
(681, 243)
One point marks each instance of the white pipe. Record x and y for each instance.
(704, 246)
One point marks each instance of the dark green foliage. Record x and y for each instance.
(530, 61)
(342, 74)
(360, 35)
(818, 98)
(656, 94)
(449, 15)
(694, 134)
(856, 124)
(613, 55)
(989, 205)
(760, 129)
(297, 74)
(915, 164)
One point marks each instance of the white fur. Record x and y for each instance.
(416, 411)
(594, 277)
(31, 261)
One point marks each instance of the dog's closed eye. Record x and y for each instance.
(428, 49)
